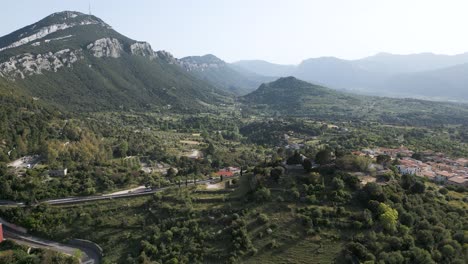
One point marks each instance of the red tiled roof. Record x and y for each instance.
(225, 173)
(459, 179)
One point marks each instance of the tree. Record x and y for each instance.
(384, 160)
(418, 187)
(323, 157)
(417, 156)
(372, 191)
(276, 173)
(388, 217)
(448, 252)
(122, 149)
(420, 256)
(210, 150)
(314, 178)
(367, 217)
(307, 164)
(262, 194)
(407, 219)
(425, 239)
(338, 184)
(294, 159)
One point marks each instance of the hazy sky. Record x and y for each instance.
(285, 31)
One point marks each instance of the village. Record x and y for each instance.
(435, 166)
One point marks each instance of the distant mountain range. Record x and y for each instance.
(423, 75)
(223, 75)
(78, 62)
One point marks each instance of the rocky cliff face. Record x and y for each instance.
(143, 49)
(167, 57)
(201, 63)
(26, 64)
(64, 38)
(106, 47)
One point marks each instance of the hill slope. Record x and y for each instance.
(77, 61)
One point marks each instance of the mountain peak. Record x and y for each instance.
(205, 59)
(288, 81)
(201, 62)
(67, 14)
(51, 24)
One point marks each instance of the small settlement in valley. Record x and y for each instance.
(434, 166)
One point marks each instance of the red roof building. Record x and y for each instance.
(225, 173)
(1, 233)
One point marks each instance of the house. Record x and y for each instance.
(58, 173)
(443, 176)
(429, 174)
(409, 166)
(462, 162)
(461, 180)
(234, 170)
(224, 173)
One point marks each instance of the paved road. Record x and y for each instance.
(88, 256)
(84, 199)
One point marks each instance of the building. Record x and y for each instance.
(409, 166)
(443, 176)
(58, 173)
(224, 173)
(429, 175)
(234, 170)
(461, 180)
(1, 233)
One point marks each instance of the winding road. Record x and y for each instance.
(88, 256)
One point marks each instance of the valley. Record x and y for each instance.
(195, 160)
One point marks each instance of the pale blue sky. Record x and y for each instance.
(285, 31)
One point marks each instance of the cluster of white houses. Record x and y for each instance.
(434, 166)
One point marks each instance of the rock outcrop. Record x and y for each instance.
(142, 49)
(201, 63)
(29, 64)
(106, 47)
(167, 57)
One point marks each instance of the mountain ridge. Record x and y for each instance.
(89, 66)
(382, 74)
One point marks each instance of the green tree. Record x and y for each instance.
(122, 149)
(323, 157)
(388, 217)
(307, 164)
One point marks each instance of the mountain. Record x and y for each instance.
(265, 68)
(424, 75)
(77, 61)
(289, 96)
(395, 64)
(336, 73)
(445, 83)
(221, 74)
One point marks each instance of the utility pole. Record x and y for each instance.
(89, 8)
